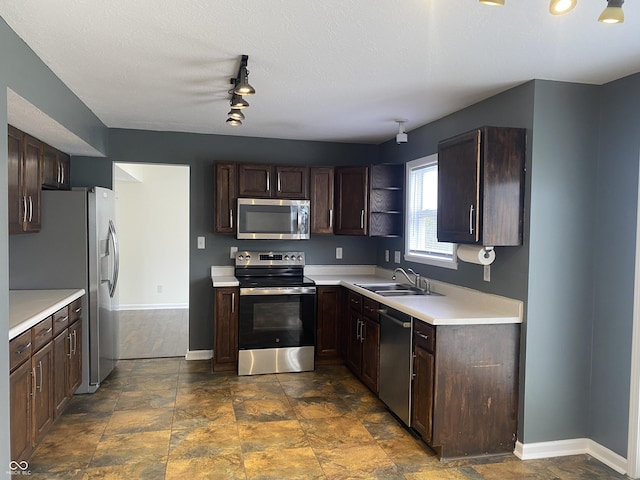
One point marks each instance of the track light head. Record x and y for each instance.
(613, 13)
(236, 114)
(242, 86)
(401, 137)
(560, 7)
(237, 102)
(233, 122)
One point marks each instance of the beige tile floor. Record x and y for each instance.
(172, 419)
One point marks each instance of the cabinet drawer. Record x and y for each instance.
(19, 349)
(370, 308)
(60, 320)
(355, 301)
(75, 310)
(424, 335)
(42, 333)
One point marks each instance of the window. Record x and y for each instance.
(421, 241)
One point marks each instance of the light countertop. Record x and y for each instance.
(29, 307)
(456, 306)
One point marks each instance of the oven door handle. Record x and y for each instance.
(278, 291)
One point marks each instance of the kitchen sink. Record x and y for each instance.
(396, 290)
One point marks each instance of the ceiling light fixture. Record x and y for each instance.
(240, 87)
(401, 137)
(560, 7)
(493, 2)
(613, 13)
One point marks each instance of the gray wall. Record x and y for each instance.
(614, 231)
(23, 72)
(200, 152)
(559, 307)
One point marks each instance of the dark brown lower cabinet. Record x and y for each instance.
(42, 391)
(328, 325)
(472, 372)
(74, 378)
(61, 352)
(20, 412)
(363, 339)
(225, 329)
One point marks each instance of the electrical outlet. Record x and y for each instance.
(159, 288)
(201, 243)
(396, 256)
(386, 255)
(487, 273)
(232, 252)
(338, 253)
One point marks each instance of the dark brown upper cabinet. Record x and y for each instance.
(321, 188)
(481, 187)
(55, 169)
(352, 200)
(24, 159)
(269, 181)
(226, 195)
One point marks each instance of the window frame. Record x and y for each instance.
(425, 259)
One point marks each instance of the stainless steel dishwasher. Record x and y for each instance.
(395, 362)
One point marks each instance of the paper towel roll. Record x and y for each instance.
(476, 254)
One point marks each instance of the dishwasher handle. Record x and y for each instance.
(384, 313)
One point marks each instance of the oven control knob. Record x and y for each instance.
(299, 258)
(286, 258)
(248, 257)
(240, 257)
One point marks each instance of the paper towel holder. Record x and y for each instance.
(478, 254)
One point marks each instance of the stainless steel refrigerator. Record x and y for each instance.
(77, 247)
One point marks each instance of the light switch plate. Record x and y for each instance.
(487, 273)
(232, 252)
(386, 255)
(201, 243)
(396, 256)
(338, 253)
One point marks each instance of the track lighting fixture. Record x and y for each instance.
(560, 7)
(240, 87)
(613, 13)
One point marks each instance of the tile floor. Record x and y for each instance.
(173, 419)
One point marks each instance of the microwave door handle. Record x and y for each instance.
(299, 222)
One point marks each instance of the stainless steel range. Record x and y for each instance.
(277, 313)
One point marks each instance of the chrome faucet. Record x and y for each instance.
(415, 281)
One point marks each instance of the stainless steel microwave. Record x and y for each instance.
(271, 219)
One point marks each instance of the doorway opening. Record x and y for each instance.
(152, 213)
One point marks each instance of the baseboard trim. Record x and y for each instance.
(576, 446)
(199, 355)
(161, 306)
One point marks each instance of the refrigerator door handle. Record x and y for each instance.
(113, 283)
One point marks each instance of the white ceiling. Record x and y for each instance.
(328, 70)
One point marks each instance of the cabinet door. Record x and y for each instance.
(32, 183)
(459, 189)
(292, 182)
(370, 353)
(226, 196)
(255, 181)
(75, 359)
(225, 329)
(20, 412)
(41, 369)
(352, 186)
(329, 309)
(422, 395)
(61, 356)
(354, 345)
(50, 168)
(16, 203)
(321, 186)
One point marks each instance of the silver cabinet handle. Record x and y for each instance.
(39, 387)
(75, 342)
(30, 209)
(331, 218)
(279, 189)
(24, 209)
(363, 333)
(471, 219)
(268, 175)
(48, 331)
(78, 310)
(426, 337)
(362, 219)
(233, 302)
(24, 349)
(61, 173)
(33, 381)
(70, 346)
(231, 218)
(358, 330)
(63, 319)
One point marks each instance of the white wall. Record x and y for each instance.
(152, 213)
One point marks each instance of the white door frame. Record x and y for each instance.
(633, 447)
